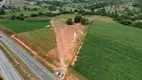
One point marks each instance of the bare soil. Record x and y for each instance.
(66, 42)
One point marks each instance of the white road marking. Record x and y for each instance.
(41, 73)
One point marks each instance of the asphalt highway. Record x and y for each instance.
(8, 71)
(35, 66)
(2, 3)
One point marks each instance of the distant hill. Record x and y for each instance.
(100, 1)
(20, 2)
(14, 2)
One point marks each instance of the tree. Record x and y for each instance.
(51, 8)
(17, 17)
(84, 21)
(21, 18)
(13, 17)
(40, 13)
(49, 14)
(25, 8)
(69, 21)
(2, 11)
(1, 78)
(33, 15)
(22, 15)
(77, 18)
(34, 9)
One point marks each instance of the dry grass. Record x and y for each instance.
(43, 38)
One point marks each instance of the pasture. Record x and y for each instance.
(43, 38)
(111, 51)
(23, 26)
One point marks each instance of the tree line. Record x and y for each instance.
(77, 19)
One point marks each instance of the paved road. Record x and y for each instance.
(35, 66)
(2, 3)
(7, 70)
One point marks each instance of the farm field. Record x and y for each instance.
(111, 51)
(26, 13)
(21, 26)
(43, 38)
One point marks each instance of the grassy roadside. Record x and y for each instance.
(6, 30)
(75, 74)
(18, 64)
(37, 57)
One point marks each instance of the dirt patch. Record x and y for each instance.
(52, 53)
(67, 37)
(100, 20)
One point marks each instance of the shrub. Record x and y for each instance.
(40, 13)
(84, 21)
(22, 15)
(13, 17)
(1, 78)
(22, 18)
(33, 15)
(69, 21)
(77, 18)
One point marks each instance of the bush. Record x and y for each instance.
(138, 24)
(77, 19)
(40, 13)
(13, 17)
(1, 78)
(17, 17)
(33, 15)
(22, 15)
(84, 21)
(21, 18)
(124, 21)
(2, 11)
(69, 21)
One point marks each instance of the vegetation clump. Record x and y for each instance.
(69, 21)
(1, 78)
(78, 19)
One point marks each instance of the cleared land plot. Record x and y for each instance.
(43, 38)
(19, 27)
(111, 52)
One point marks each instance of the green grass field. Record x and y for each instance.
(21, 26)
(43, 38)
(111, 51)
(63, 18)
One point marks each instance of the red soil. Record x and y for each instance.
(66, 43)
